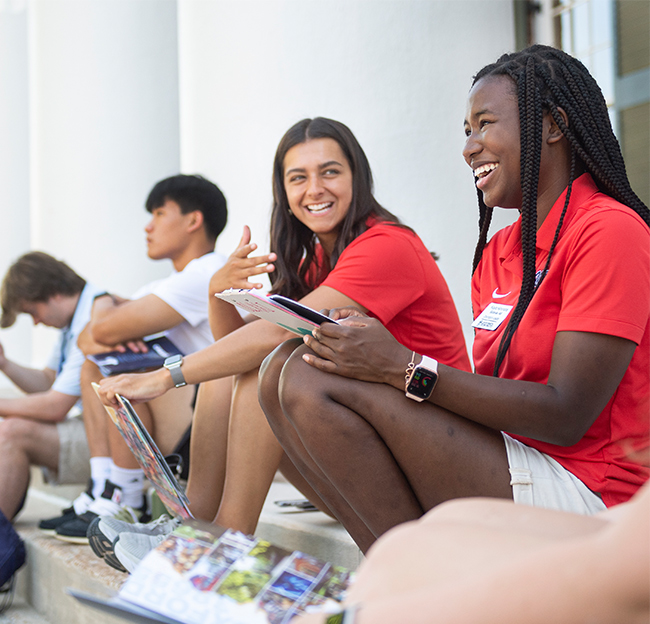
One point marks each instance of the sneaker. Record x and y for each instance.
(131, 548)
(105, 530)
(108, 504)
(79, 506)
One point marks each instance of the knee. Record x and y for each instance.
(296, 388)
(459, 510)
(89, 373)
(397, 540)
(270, 371)
(14, 432)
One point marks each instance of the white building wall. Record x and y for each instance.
(106, 97)
(14, 159)
(103, 128)
(397, 72)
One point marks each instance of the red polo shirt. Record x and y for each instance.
(598, 281)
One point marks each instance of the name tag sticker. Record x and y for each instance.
(492, 316)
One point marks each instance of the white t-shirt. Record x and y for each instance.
(187, 292)
(66, 358)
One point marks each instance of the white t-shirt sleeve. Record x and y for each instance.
(187, 290)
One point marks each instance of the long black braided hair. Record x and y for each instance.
(547, 79)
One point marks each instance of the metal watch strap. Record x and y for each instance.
(173, 365)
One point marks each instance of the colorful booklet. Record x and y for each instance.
(116, 362)
(149, 457)
(287, 313)
(203, 574)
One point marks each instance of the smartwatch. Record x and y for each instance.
(423, 380)
(173, 365)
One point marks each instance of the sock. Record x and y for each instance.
(100, 470)
(130, 481)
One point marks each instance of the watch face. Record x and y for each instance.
(422, 383)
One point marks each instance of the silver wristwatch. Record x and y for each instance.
(173, 364)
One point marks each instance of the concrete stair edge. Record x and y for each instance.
(53, 566)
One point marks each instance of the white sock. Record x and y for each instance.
(130, 481)
(100, 470)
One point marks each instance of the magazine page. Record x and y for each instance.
(149, 457)
(204, 574)
(116, 362)
(300, 319)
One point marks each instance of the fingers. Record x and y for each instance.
(137, 346)
(107, 393)
(319, 363)
(246, 237)
(346, 312)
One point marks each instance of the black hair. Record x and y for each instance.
(545, 80)
(292, 241)
(35, 277)
(192, 192)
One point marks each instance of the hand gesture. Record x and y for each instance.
(359, 348)
(239, 267)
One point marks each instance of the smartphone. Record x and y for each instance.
(301, 310)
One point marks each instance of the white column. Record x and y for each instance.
(104, 128)
(14, 160)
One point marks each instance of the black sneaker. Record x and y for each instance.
(108, 504)
(79, 506)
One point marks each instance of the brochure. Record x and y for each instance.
(149, 457)
(116, 362)
(291, 315)
(203, 574)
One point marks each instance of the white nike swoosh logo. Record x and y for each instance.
(496, 295)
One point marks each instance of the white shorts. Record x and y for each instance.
(74, 455)
(539, 480)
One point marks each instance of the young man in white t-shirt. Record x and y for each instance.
(36, 429)
(188, 214)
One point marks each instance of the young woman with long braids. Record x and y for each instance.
(562, 305)
(332, 245)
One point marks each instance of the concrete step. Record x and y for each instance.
(54, 565)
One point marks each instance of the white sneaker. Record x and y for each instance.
(132, 548)
(104, 531)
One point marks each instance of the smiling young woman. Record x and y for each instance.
(332, 245)
(562, 318)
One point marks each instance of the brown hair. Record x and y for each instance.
(35, 277)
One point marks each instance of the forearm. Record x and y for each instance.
(238, 352)
(224, 318)
(28, 379)
(50, 406)
(525, 408)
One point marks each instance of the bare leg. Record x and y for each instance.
(297, 455)
(253, 458)
(96, 420)
(459, 538)
(23, 443)
(208, 448)
(388, 457)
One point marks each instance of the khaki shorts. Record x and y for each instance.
(539, 480)
(74, 456)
